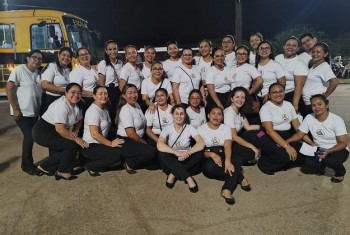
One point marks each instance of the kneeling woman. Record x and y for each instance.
(220, 163)
(57, 130)
(131, 127)
(328, 132)
(101, 151)
(180, 160)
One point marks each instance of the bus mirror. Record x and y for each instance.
(42, 23)
(52, 30)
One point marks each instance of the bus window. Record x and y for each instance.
(5, 36)
(46, 37)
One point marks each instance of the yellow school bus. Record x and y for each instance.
(46, 30)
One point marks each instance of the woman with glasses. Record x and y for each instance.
(55, 77)
(156, 81)
(24, 95)
(228, 46)
(195, 112)
(254, 41)
(58, 130)
(270, 70)
(173, 60)
(308, 41)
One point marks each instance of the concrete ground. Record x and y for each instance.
(117, 203)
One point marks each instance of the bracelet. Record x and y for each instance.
(286, 146)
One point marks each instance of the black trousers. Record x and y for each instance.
(63, 150)
(254, 118)
(223, 97)
(113, 96)
(101, 156)
(334, 161)
(46, 100)
(245, 153)
(181, 169)
(274, 158)
(212, 171)
(26, 125)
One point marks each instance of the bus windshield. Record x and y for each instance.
(79, 36)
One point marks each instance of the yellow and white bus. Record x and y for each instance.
(46, 30)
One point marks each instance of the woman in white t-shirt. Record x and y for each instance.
(320, 79)
(195, 113)
(58, 130)
(254, 41)
(329, 135)
(228, 46)
(159, 118)
(109, 74)
(277, 117)
(102, 152)
(149, 55)
(156, 81)
(270, 70)
(130, 72)
(173, 61)
(180, 160)
(219, 162)
(131, 127)
(204, 59)
(55, 77)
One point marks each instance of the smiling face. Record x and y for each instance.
(204, 48)
(34, 61)
(242, 56)
(308, 43)
(131, 55)
(238, 99)
(64, 58)
(318, 54)
(216, 116)
(161, 98)
(264, 50)
(187, 57)
(149, 55)
(73, 95)
(319, 106)
(112, 51)
(131, 95)
(101, 96)
(179, 116)
(195, 100)
(291, 48)
(84, 57)
(219, 57)
(276, 94)
(227, 45)
(173, 51)
(254, 41)
(157, 71)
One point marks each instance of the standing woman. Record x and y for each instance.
(295, 72)
(173, 61)
(195, 112)
(24, 95)
(156, 81)
(160, 118)
(109, 74)
(131, 127)
(55, 77)
(86, 76)
(178, 158)
(220, 163)
(101, 152)
(58, 130)
(186, 78)
(228, 45)
(270, 70)
(203, 61)
(254, 41)
(319, 75)
(145, 67)
(219, 81)
(130, 73)
(277, 117)
(329, 133)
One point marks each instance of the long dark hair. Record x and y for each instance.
(248, 100)
(258, 58)
(59, 67)
(105, 56)
(122, 101)
(325, 49)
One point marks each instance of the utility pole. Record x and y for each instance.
(5, 5)
(238, 28)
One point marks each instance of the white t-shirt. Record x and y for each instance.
(324, 133)
(270, 72)
(280, 116)
(169, 67)
(131, 117)
(146, 72)
(131, 75)
(184, 141)
(149, 88)
(222, 80)
(203, 66)
(52, 74)
(214, 137)
(153, 121)
(233, 119)
(244, 75)
(230, 60)
(60, 111)
(252, 57)
(27, 89)
(183, 76)
(86, 78)
(95, 116)
(196, 119)
(292, 67)
(317, 81)
(305, 58)
(112, 75)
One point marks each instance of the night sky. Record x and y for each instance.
(158, 21)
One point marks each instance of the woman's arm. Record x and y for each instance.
(101, 79)
(198, 146)
(332, 84)
(48, 86)
(172, 99)
(122, 83)
(86, 93)
(342, 141)
(258, 81)
(213, 95)
(299, 82)
(96, 134)
(306, 138)
(249, 127)
(131, 133)
(151, 106)
(228, 153)
(296, 137)
(176, 93)
(150, 134)
(62, 131)
(236, 138)
(163, 147)
(12, 98)
(282, 81)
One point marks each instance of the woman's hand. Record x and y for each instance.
(216, 158)
(73, 134)
(256, 151)
(291, 152)
(229, 168)
(151, 108)
(81, 142)
(182, 155)
(117, 142)
(265, 98)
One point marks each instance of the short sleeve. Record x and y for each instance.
(101, 67)
(210, 77)
(49, 73)
(328, 73)
(125, 73)
(265, 114)
(193, 131)
(126, 117)
(176, 75)
(92, 118)
(149, 118)
(304, 126)
(279, 70)
(76, 77)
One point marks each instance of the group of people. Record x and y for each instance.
(214, 112)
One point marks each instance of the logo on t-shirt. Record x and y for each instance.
(193, 75)
(178, 144)
(165, 120)
(285, 117)
(215, 141)
(320, 132)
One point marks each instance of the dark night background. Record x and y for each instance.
(156, 22)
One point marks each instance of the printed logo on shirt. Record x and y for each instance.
(285, 117)
(320, 132)
(226, 80)
(165, 120)
(215, 141)
(179, 144)
(204, 70)
(193, 75)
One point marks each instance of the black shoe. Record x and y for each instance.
(40, 172)
(170, 185)
(229, 200)
(30, 171)
(251, 163)
(320, 172)
(93, 173)
(129, 170)
(246, 188)
(195, 188)
(336, 180)
(263, 170)
(58, 176)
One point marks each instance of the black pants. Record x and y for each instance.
(212, 171)
(306, 109)
(254, 118)
(46, 100)
(101, 156)
(138, 155)
(113, 96)
(334, 161)
(246, 154)
(223, 97)
(26, 125)
(274, 158)
(63, 150)
(181, 169)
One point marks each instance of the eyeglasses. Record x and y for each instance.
(158, 69)
(264, 48)
(37, 58)
(277, 92)
(241, 54)
(85, 54)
